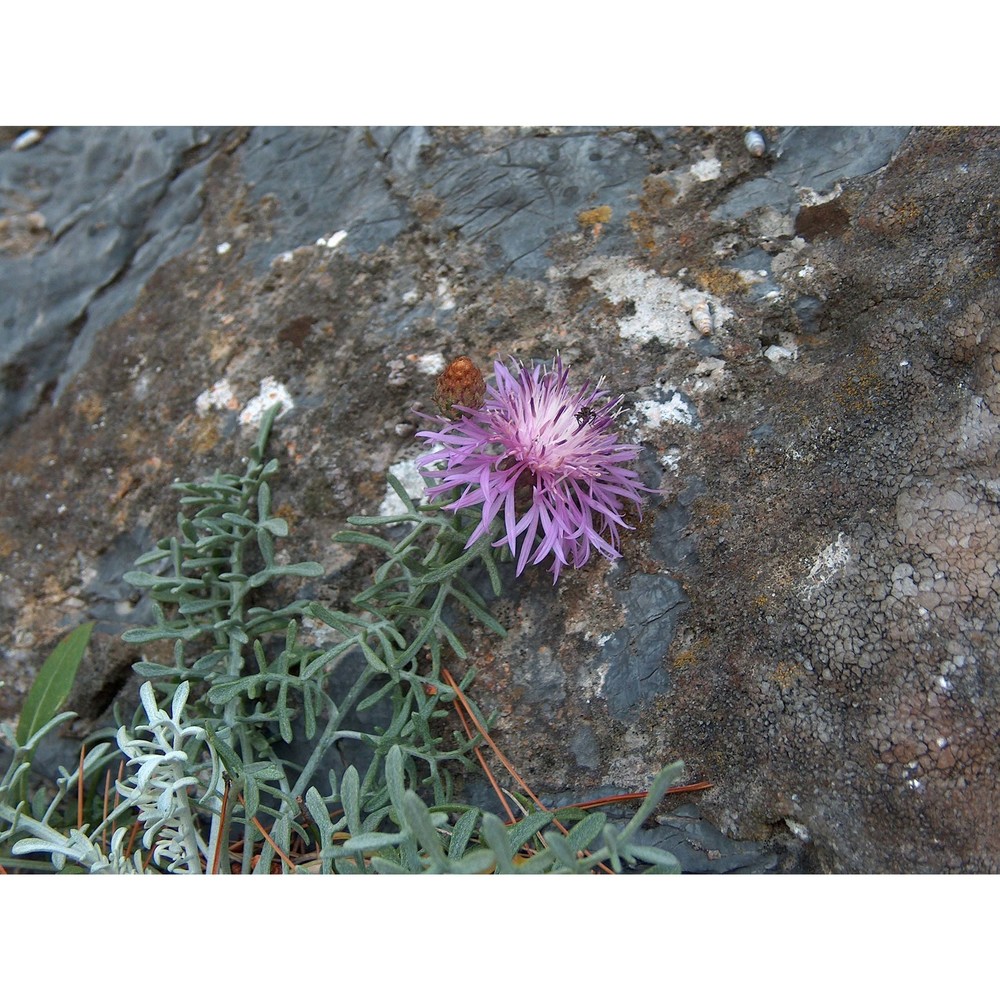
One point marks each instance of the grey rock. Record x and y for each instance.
(817, 158)
(634, 655)
(116, 203)
(844, 715)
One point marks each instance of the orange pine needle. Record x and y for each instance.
(222, 826)
(277, 850)
(492, 745)
(460, 712)
(506, 763)
(121, 772)
(104, 811)
(79, 792)
(462, 706)
(698, 786)
(132, 836)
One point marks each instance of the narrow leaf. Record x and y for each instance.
(663, 861)
(525, 829)
(583, 834)
(53, 683)
(474, 863)
(230, 759)
(350, 799)
(670, 775)
(394, 778)
(368, 842)
(495, 835)
(418, 818)
(561, 849)
(462, 832)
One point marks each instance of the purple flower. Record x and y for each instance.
(545, 457)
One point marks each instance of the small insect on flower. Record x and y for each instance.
(545, 458)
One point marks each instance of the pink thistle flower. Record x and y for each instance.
(545, 457)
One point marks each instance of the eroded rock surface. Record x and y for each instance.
(808, 346)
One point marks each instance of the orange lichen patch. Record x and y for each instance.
(715, 512)
(595, 216)
(127, 481)
(685, 658)
(90, 407)
(721, 281)
(288, 513)
(460, 384)
(893, 218)
(196, 434)
(656, 202)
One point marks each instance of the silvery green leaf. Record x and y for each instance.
(462, 832)
(386, 867)
(474, 863)
(669, 775)
(583, 834)
(53, 724)
(495, 835)
(368, 842)
(349, 786)
(420, 821)
(663, 861)
(526, 828)
(394, 778)
(276, 526)
(610, 837)
(562, 850)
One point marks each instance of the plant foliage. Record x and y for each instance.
(211, 757)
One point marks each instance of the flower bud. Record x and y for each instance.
(460, 384)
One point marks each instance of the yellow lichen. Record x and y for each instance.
(595, 216)
(786, 674)
(721, 281)
(691, 654)
(858, 390)
(206, 436)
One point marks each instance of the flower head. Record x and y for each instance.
(546, 458)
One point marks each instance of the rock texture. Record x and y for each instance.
(808, 345)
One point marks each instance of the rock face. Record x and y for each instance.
(808, 345)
